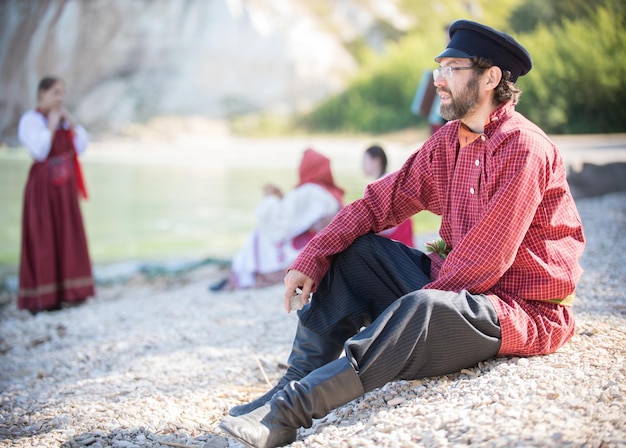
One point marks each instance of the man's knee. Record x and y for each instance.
(420, 301)
(364, 243)
(361, 248)
(449, 307)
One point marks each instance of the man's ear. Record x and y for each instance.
(493, 77)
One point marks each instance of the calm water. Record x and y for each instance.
(143, 207)
(153, 210)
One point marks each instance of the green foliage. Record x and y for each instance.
(578, 82)
(379, 99)
(426, 222)
(576, 86)
(532, 13)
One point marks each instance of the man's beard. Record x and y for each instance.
(466, 101)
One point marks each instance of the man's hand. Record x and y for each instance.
(297, 280)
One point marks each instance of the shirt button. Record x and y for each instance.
(477, 162)
(472, 190)
(483, 138)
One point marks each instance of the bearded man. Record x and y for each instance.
(500, 283)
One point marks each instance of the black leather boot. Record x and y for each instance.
(276, 423)
(309, 352)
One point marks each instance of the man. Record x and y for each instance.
(502, 284)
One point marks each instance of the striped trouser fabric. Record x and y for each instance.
(372, 302)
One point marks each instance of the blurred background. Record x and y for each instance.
(193, 105)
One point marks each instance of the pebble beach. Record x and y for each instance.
(158, 362)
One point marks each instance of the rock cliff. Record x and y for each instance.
(129, 60)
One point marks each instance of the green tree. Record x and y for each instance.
(379, 99)
(533, 13)
(578, 83)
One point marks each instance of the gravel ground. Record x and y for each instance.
(158, 363)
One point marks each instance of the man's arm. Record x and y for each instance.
(386, 203)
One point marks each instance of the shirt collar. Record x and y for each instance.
(467, 136)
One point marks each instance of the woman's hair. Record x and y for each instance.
(376, 152)
(505, 90)
(46, 83)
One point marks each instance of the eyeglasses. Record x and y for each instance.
(446, 72)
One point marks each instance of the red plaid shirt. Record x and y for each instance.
(507, 215)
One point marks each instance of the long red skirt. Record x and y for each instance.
(54, 265)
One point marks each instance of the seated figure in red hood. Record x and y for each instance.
(285, 223)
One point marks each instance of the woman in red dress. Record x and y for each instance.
(54, 264)
(375, 166)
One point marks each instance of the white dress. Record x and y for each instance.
(270, 247)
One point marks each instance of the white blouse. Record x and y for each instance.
(283, 219)
(33, 133)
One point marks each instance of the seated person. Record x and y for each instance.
(375, 166)
(507, 282)
(285, 223)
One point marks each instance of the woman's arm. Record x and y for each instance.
(81, 139)
(34, 134)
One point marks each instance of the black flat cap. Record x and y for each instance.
(470, 39)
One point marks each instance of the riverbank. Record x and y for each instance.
(155, 362)
(185, 189)
(172, 189)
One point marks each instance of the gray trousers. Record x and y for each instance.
(409, 332)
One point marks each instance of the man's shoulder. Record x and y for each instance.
(518, 128)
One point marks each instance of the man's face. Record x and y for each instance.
(458, 93)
